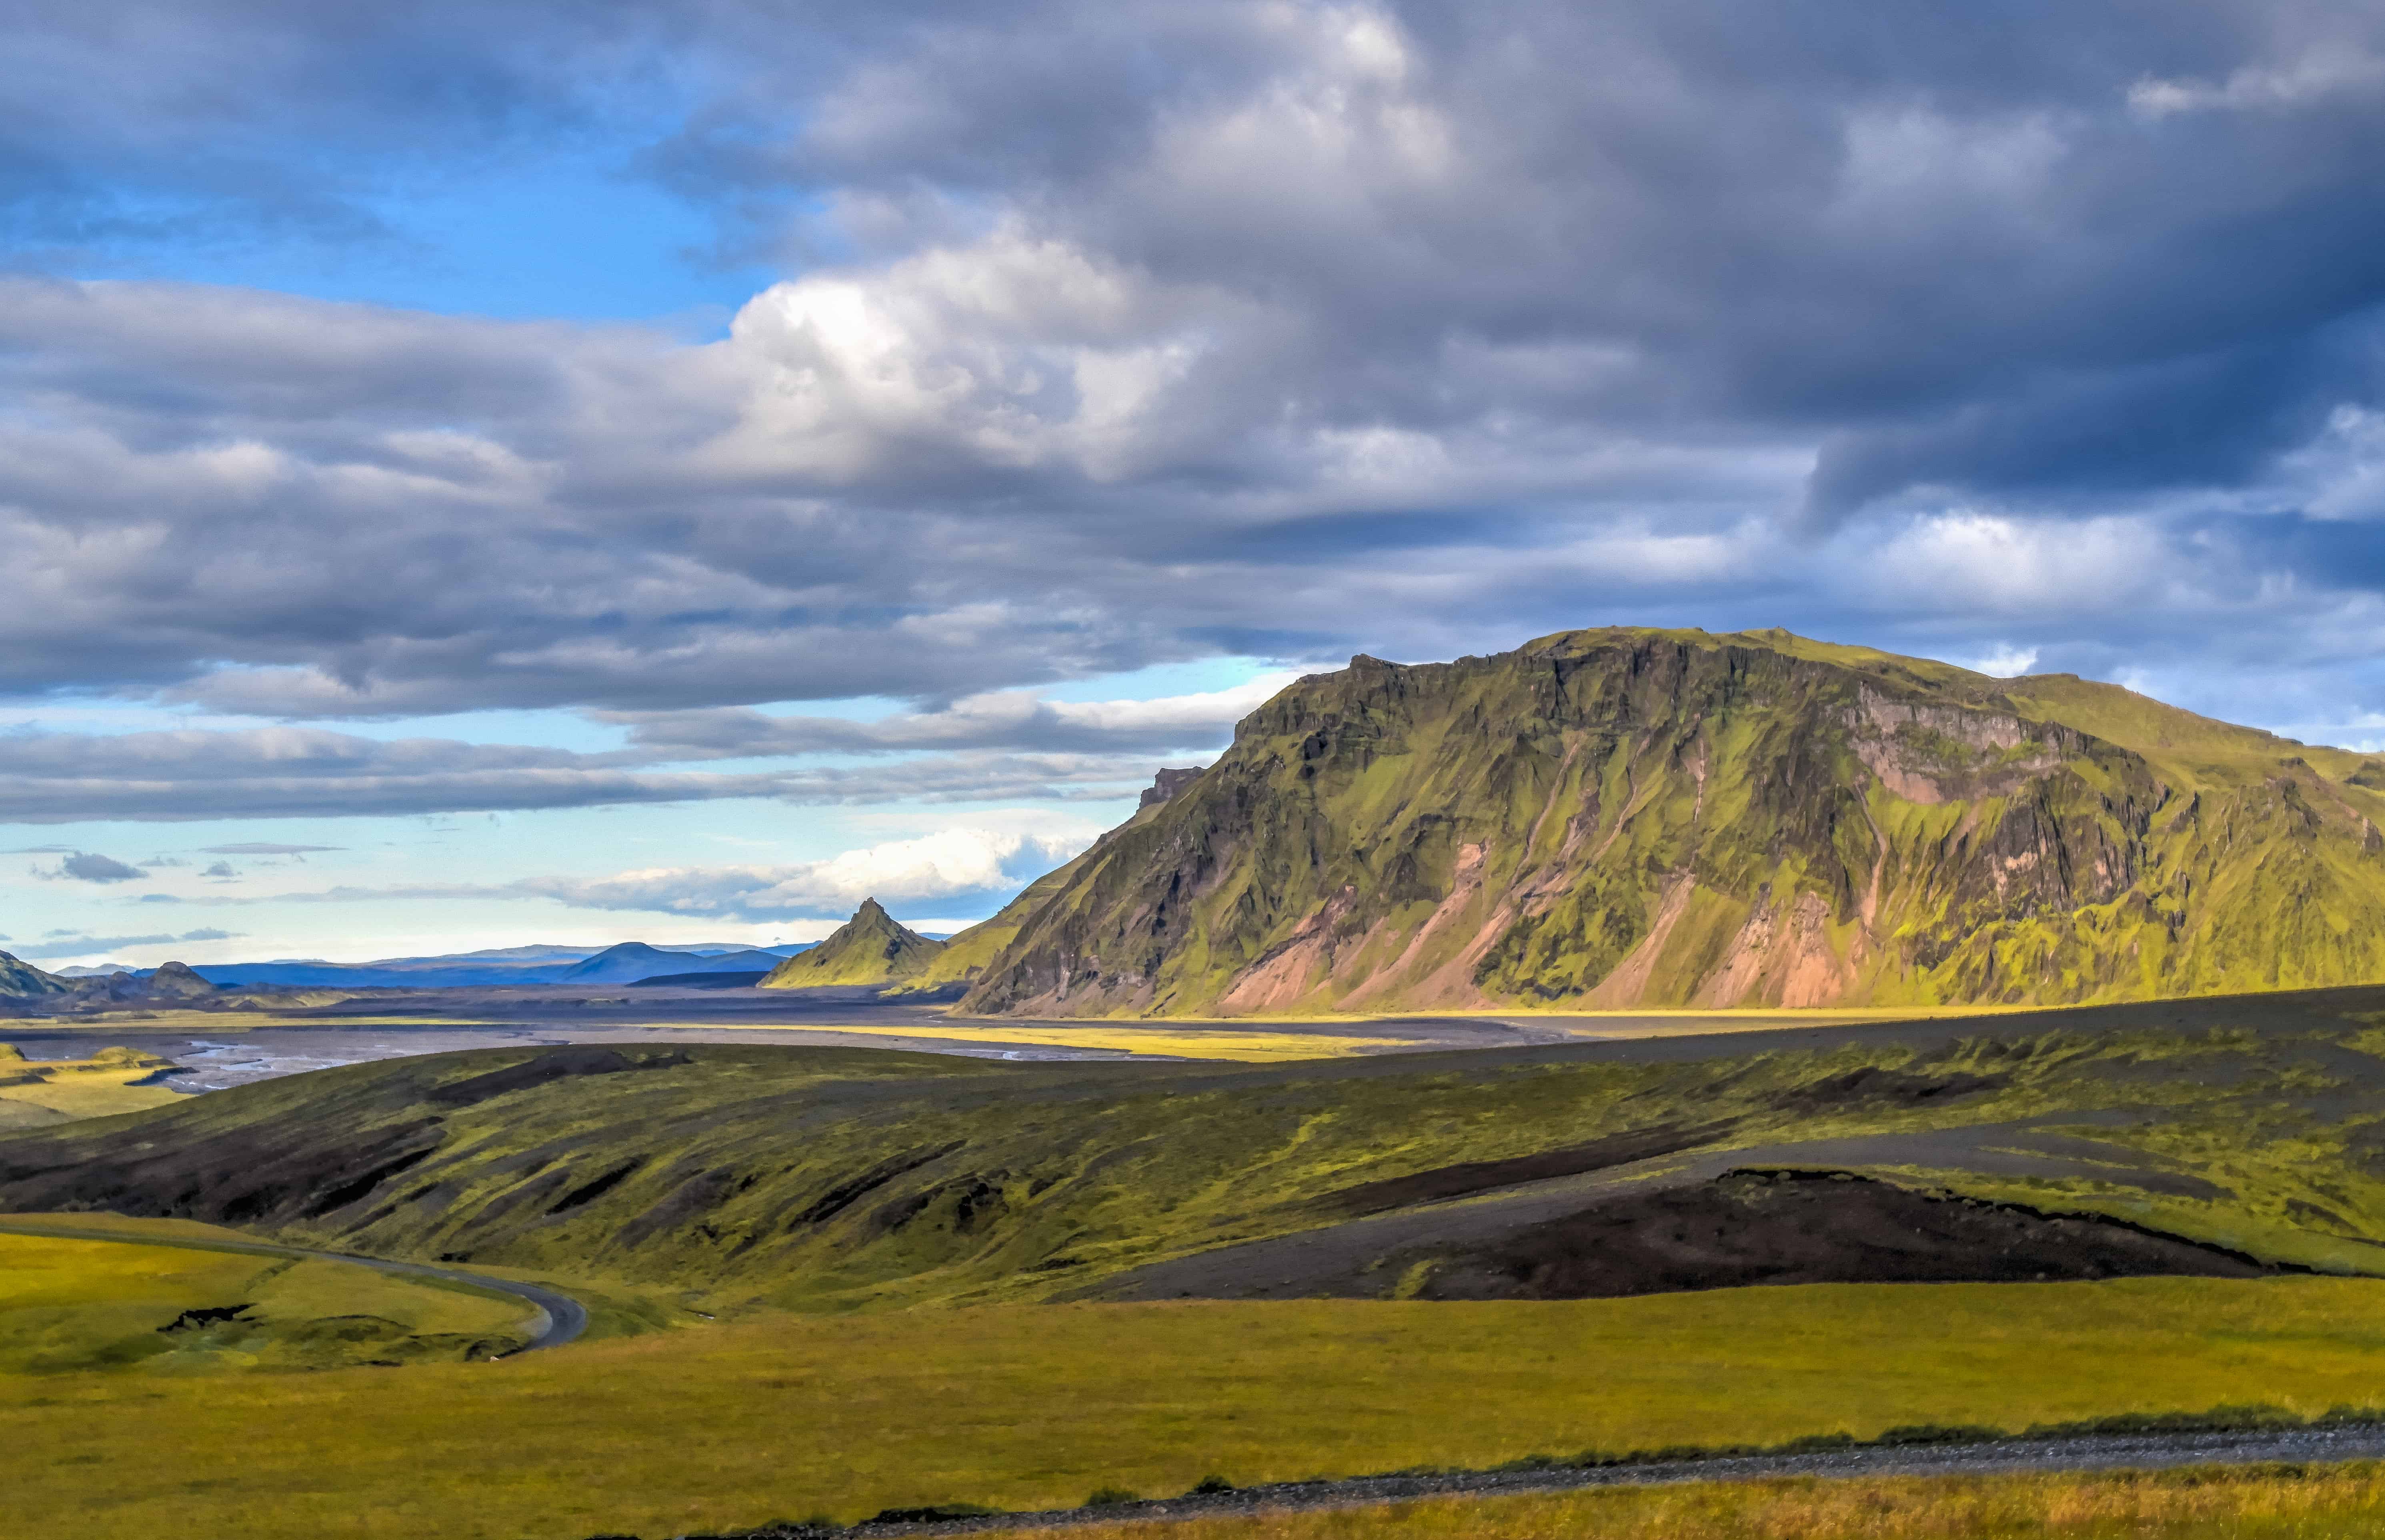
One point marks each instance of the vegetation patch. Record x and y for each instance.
(69, 1307)
(1028, 1407)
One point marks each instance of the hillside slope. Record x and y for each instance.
(1628, 817)
(23, 980)
(870, 948)
(838, 1178)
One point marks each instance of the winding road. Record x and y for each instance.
(558, 1317)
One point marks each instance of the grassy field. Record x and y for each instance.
(1025, 1407)
(2261, 1503)
(35, 1093)
(73, 1305)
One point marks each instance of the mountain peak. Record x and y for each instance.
(177, 979)
(1626, 817)
(871, 949)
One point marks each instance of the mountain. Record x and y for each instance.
(1623, 817)
(175, 981)
(495, 967)
(635, 960)
(870, 948)
(23, 980)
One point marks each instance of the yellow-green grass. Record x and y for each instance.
(1031, 1407)
(33, 1091)
(2206, 1503)
(69, 1307)
(1174, 1039)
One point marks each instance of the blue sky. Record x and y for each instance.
(590, 473)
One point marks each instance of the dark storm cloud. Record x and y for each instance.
(1126, 333)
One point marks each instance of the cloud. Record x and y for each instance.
(84, 945)
(1004, 720)
(220, 871)
(2004, 662)
(1132, 334)
(286, 772)
(86, 867)
(258, 847)
(1063, 749)
(961, 864)
(964, 864)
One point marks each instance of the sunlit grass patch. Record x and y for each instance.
(1034, 1406)
(69, 1307)
(1246, 1046)
(2208, 1503)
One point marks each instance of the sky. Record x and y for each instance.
(581, 472)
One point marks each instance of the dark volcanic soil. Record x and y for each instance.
(1796, 1227)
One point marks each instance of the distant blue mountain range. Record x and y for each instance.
(625, 963)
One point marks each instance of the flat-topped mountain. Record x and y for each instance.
(1627, 817)
(870, 948)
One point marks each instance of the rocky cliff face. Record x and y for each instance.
(1629, 817)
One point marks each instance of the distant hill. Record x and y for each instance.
(870, 948)
(1624, 817)
(511, 965)
(633, 960)
(23, 980)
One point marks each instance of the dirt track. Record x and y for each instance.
(2140, 1451)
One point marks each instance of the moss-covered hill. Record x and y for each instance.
(1627, 817)
(870, 948)
(838, 1178)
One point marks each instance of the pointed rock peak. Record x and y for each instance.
(873, 948)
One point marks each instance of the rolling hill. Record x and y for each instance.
(2221, 1137)
(1622, 817)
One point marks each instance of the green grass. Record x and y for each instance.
(1021, 1406)
(71, 1306)
(2257, 1503)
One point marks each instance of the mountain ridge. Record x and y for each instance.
(1629, 817)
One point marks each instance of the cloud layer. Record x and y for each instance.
(1126, 333)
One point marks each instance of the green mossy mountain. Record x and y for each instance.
(870, 948)
(1626, 817)
(23, 980)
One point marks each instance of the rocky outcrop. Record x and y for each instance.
(1625, 818)
(1166, 784)
(870, 948)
